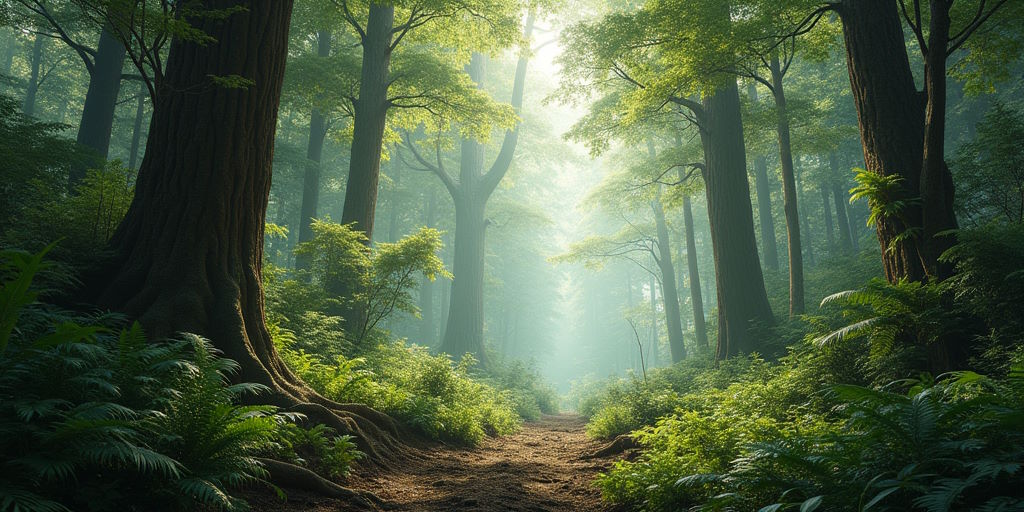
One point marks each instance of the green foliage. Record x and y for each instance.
(887, 201)
(100, 419)
(373, 281)
(437, 397)
(317, 448)
(989, 171)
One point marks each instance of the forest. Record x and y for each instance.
(512, 255)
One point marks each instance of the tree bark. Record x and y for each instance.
(826, 208)
(696, 298)
(937, 190)
(314, 154)
(840, 198)
(28, 106)
(371, 111)
(764, 204)
(742, 299)
(188, 255)
(97, 121)
(428, 328)
(465, 326)
(890, 113)
(140, 111)
(670, 295)
(789, 195)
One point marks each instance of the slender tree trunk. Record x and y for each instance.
(32, 88)
(826, 208)
(314, 154)
(840, 198)
(188, 255)
(764, 205)
(789, 195)
(394, 209)
(140, 112)
(655, 331)
(696, 299)
(802, 218)
(371, 111)
(890, 113)
(97, 122)
(9, 48)
(937, 213)
(670, 295)
(428, 329)
(742, 299)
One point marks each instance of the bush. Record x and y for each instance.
(92, 418)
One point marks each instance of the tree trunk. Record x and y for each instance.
(314, 153)
(670, 295)
(742, 299)
(789, 200)
(393, 210)
(9, 48)
(29, 105)
(140, 111)
(890, 114)
(465, 330)
(802, 217)
(840, 198)
(696, 299)
(428, 329)
(655, 332)
(188, 255)
(371, 111)
(764, 206)
(100, 103)
(830, 237)
(937, 213)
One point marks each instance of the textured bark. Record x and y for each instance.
(371, 110)
(742, 299)
(890, 114)
(314, 153)
(188, 255)
(670, 295)
(789, 195)
(140, 111)
(28, 106)
(762, 186)
(696, 298)
(97, 121)
(841, 198)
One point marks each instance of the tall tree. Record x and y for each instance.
(188, 255)
(764, 202)
(470, 192)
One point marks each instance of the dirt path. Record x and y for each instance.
(538, 469)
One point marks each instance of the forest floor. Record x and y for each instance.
(541, 468)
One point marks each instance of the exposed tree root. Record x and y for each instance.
(618, 445)
(291, 476)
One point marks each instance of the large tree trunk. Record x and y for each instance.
(140, 111)
(936, 188)
(314, 153)
(28, 106)
(100, 103)
(890, 114)
(840, 198)
(696, 298)
(789, 200)
(762, 187)
(188, 255)
(465, 330)
(670, 295)
(742, 299)
(371, 112)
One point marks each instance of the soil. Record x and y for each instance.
(541, 468)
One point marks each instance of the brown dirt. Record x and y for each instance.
(538, 469)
